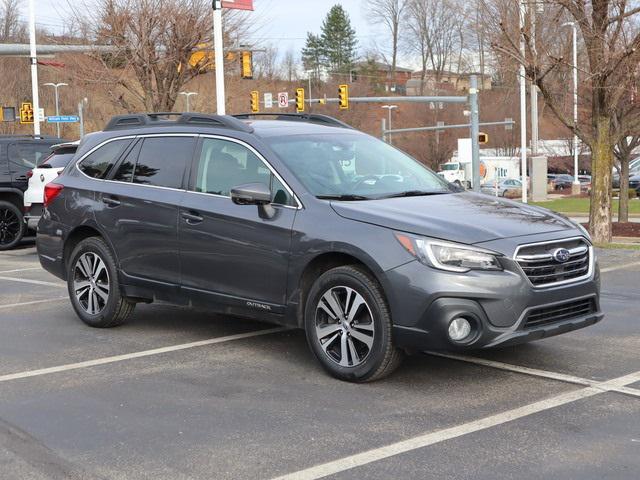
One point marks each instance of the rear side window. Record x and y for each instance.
(162, 161)
(99, 163)
(25, 156)
(58, 159)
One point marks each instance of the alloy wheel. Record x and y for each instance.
(91, 283)
(9, 226)
(344, 326)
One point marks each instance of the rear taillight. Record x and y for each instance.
(51, 191)
(29, 174)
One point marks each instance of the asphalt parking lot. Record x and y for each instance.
(182, 394)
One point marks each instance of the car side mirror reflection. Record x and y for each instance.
(254, 194)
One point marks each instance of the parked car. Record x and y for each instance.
(504, 188)
(306, 222)
(562, 182)
(61, 154)
(634, 183)
(18, 155)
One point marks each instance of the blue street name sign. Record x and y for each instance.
(63, 119)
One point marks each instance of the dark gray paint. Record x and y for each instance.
(208, 250)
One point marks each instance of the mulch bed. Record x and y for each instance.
(623, 229)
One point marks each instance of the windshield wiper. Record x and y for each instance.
(345, 197)
(416, 193)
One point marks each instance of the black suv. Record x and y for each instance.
(306, 222)
(18, 155)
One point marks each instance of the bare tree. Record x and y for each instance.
(611, 38)
(289, 66)
(266, 63)
(390, 14)
(11, 27)
(153, 41)
(623, 150)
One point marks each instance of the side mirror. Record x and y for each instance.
(254, 194)
(251, 194)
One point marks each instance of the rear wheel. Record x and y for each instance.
(92, 282)
(12, 225)
(348, 326)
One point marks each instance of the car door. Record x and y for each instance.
(139, 208)
(229, 253)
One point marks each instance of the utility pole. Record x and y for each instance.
(523, 105)
(475, 132)
(55, 87)
(186, 97)
(534, 87)
(575, 188)
(81, 105)
(34, 68)
(218, 56)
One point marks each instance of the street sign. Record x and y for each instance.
(41, 115)
(268, 100)
(238, 4)
(63, 119)
(283, 99)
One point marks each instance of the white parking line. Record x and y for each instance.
(34, 302)
(620, 267)
(34, 282)
(431, 438)
(20, 270)
(140, 354)
(562, 377)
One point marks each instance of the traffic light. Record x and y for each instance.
(299, 100)
(255, 101)
(246, 60)
(343, 96)
(26, 113)
(483, 138)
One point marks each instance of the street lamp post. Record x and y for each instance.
(186, 97)
(576, 183)
(389, 108)
(55, 87)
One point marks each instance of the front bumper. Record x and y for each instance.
(424, 300)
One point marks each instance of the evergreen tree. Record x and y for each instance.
(339, 41)
(313, 54)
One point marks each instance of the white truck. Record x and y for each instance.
(458, 169)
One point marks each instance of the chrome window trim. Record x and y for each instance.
(586, 276)
(264, 161)
(195, 135)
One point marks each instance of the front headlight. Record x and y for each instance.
(584, 231)
(453, 257)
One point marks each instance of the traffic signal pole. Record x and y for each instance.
(218, 56)
(34, 68)
(475, 131)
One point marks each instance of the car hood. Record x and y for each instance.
(459, 217)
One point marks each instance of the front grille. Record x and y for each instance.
(561, 311)
(543, 268)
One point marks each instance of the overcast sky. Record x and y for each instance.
(282, 22)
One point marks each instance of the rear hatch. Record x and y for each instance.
(47, 171)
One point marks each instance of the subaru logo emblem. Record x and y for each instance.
(561, 255)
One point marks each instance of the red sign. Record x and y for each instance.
(238, 4)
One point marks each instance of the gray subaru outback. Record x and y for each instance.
(303, 221)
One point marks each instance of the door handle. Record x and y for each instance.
(192, 218)
(110, 202)
(21, 178)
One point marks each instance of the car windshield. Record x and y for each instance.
(354, 166)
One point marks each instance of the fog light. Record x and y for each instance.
(459, 329)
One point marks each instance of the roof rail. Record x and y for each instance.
(298, 117)
(158, 119)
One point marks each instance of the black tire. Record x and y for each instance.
(504, 193)
(383, 356)
(12, 226)
(110, 312)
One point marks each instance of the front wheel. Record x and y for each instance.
(92, 282)
(348, 326)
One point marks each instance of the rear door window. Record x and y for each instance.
(162, 161)
(99, 163)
